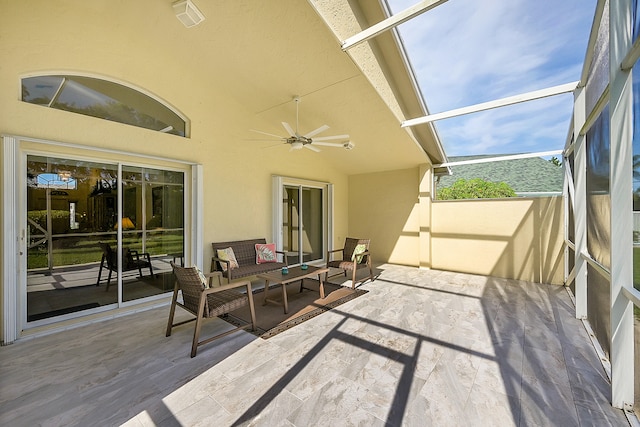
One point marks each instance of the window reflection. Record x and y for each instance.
(102, 99)
(72, 214)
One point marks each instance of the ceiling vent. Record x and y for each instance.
(188, 13)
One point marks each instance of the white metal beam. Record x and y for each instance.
(621, 189)
(391, 22)
(499, 158)
(580, 202)
(593, 38)
(516, 99)
(632, 57)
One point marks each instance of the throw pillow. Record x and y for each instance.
(361, 248)
(266, 253)
(227, 255)
(203, 278)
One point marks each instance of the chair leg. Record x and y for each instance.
(108, 280)
(196, 332)
(150, 265)
(251, 308)
(100, 270)
(172, 311)
(353, 278)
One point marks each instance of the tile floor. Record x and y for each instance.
(422, 348)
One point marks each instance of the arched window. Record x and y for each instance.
(103, 99)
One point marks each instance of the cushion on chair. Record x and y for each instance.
(266, 253)
(227, 255)
(361, 248)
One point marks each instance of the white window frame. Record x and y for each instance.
(13, 241)
(279, 182)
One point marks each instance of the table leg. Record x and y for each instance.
(284, 298)
(266, 289)
(321, 285)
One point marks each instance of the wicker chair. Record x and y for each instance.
(130, 261)
(207, 302)
(350, 261)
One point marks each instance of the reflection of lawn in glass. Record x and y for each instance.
(86, 250)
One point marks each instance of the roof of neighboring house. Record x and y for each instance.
(533, 174)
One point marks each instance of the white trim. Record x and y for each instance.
(96, 149)
(278, 183)
(390, 22)
(11, 241)
(197, 216)
(13, 285)
(516, 99)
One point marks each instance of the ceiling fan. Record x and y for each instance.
(298, 141)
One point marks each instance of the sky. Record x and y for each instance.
(465, 52)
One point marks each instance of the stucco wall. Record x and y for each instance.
(517, 238)
(513, 238)
(385, 208)
(237, 172)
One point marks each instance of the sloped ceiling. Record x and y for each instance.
(264, 55)
(239, 70)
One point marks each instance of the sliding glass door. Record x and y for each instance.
(99, 234)
(302, 216)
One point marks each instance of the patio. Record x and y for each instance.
(423, 347)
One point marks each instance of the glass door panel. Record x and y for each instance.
(73, 256)
(71, 206)
(290, 224)
(303, 225)
(153, 203)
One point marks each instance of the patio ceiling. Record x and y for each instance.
(261, 56)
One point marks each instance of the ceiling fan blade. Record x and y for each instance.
(327, 144)
(268, 134)
(288, 129)
(329, 138)
(312, 148)
(317, 131)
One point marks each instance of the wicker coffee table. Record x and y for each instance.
(295, 274)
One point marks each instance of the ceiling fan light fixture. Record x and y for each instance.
(297, 145)
(348, 145)
(187, 13)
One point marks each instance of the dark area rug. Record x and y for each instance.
(271, 319)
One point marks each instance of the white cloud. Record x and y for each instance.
(467, 51)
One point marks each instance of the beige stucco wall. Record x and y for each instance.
(514, 238)
(519, 238)
(237, 174)
(385, 208)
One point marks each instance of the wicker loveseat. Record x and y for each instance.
(245, 253)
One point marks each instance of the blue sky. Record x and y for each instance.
(465, 52)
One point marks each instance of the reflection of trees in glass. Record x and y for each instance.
(115, 111)
(102, 99)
